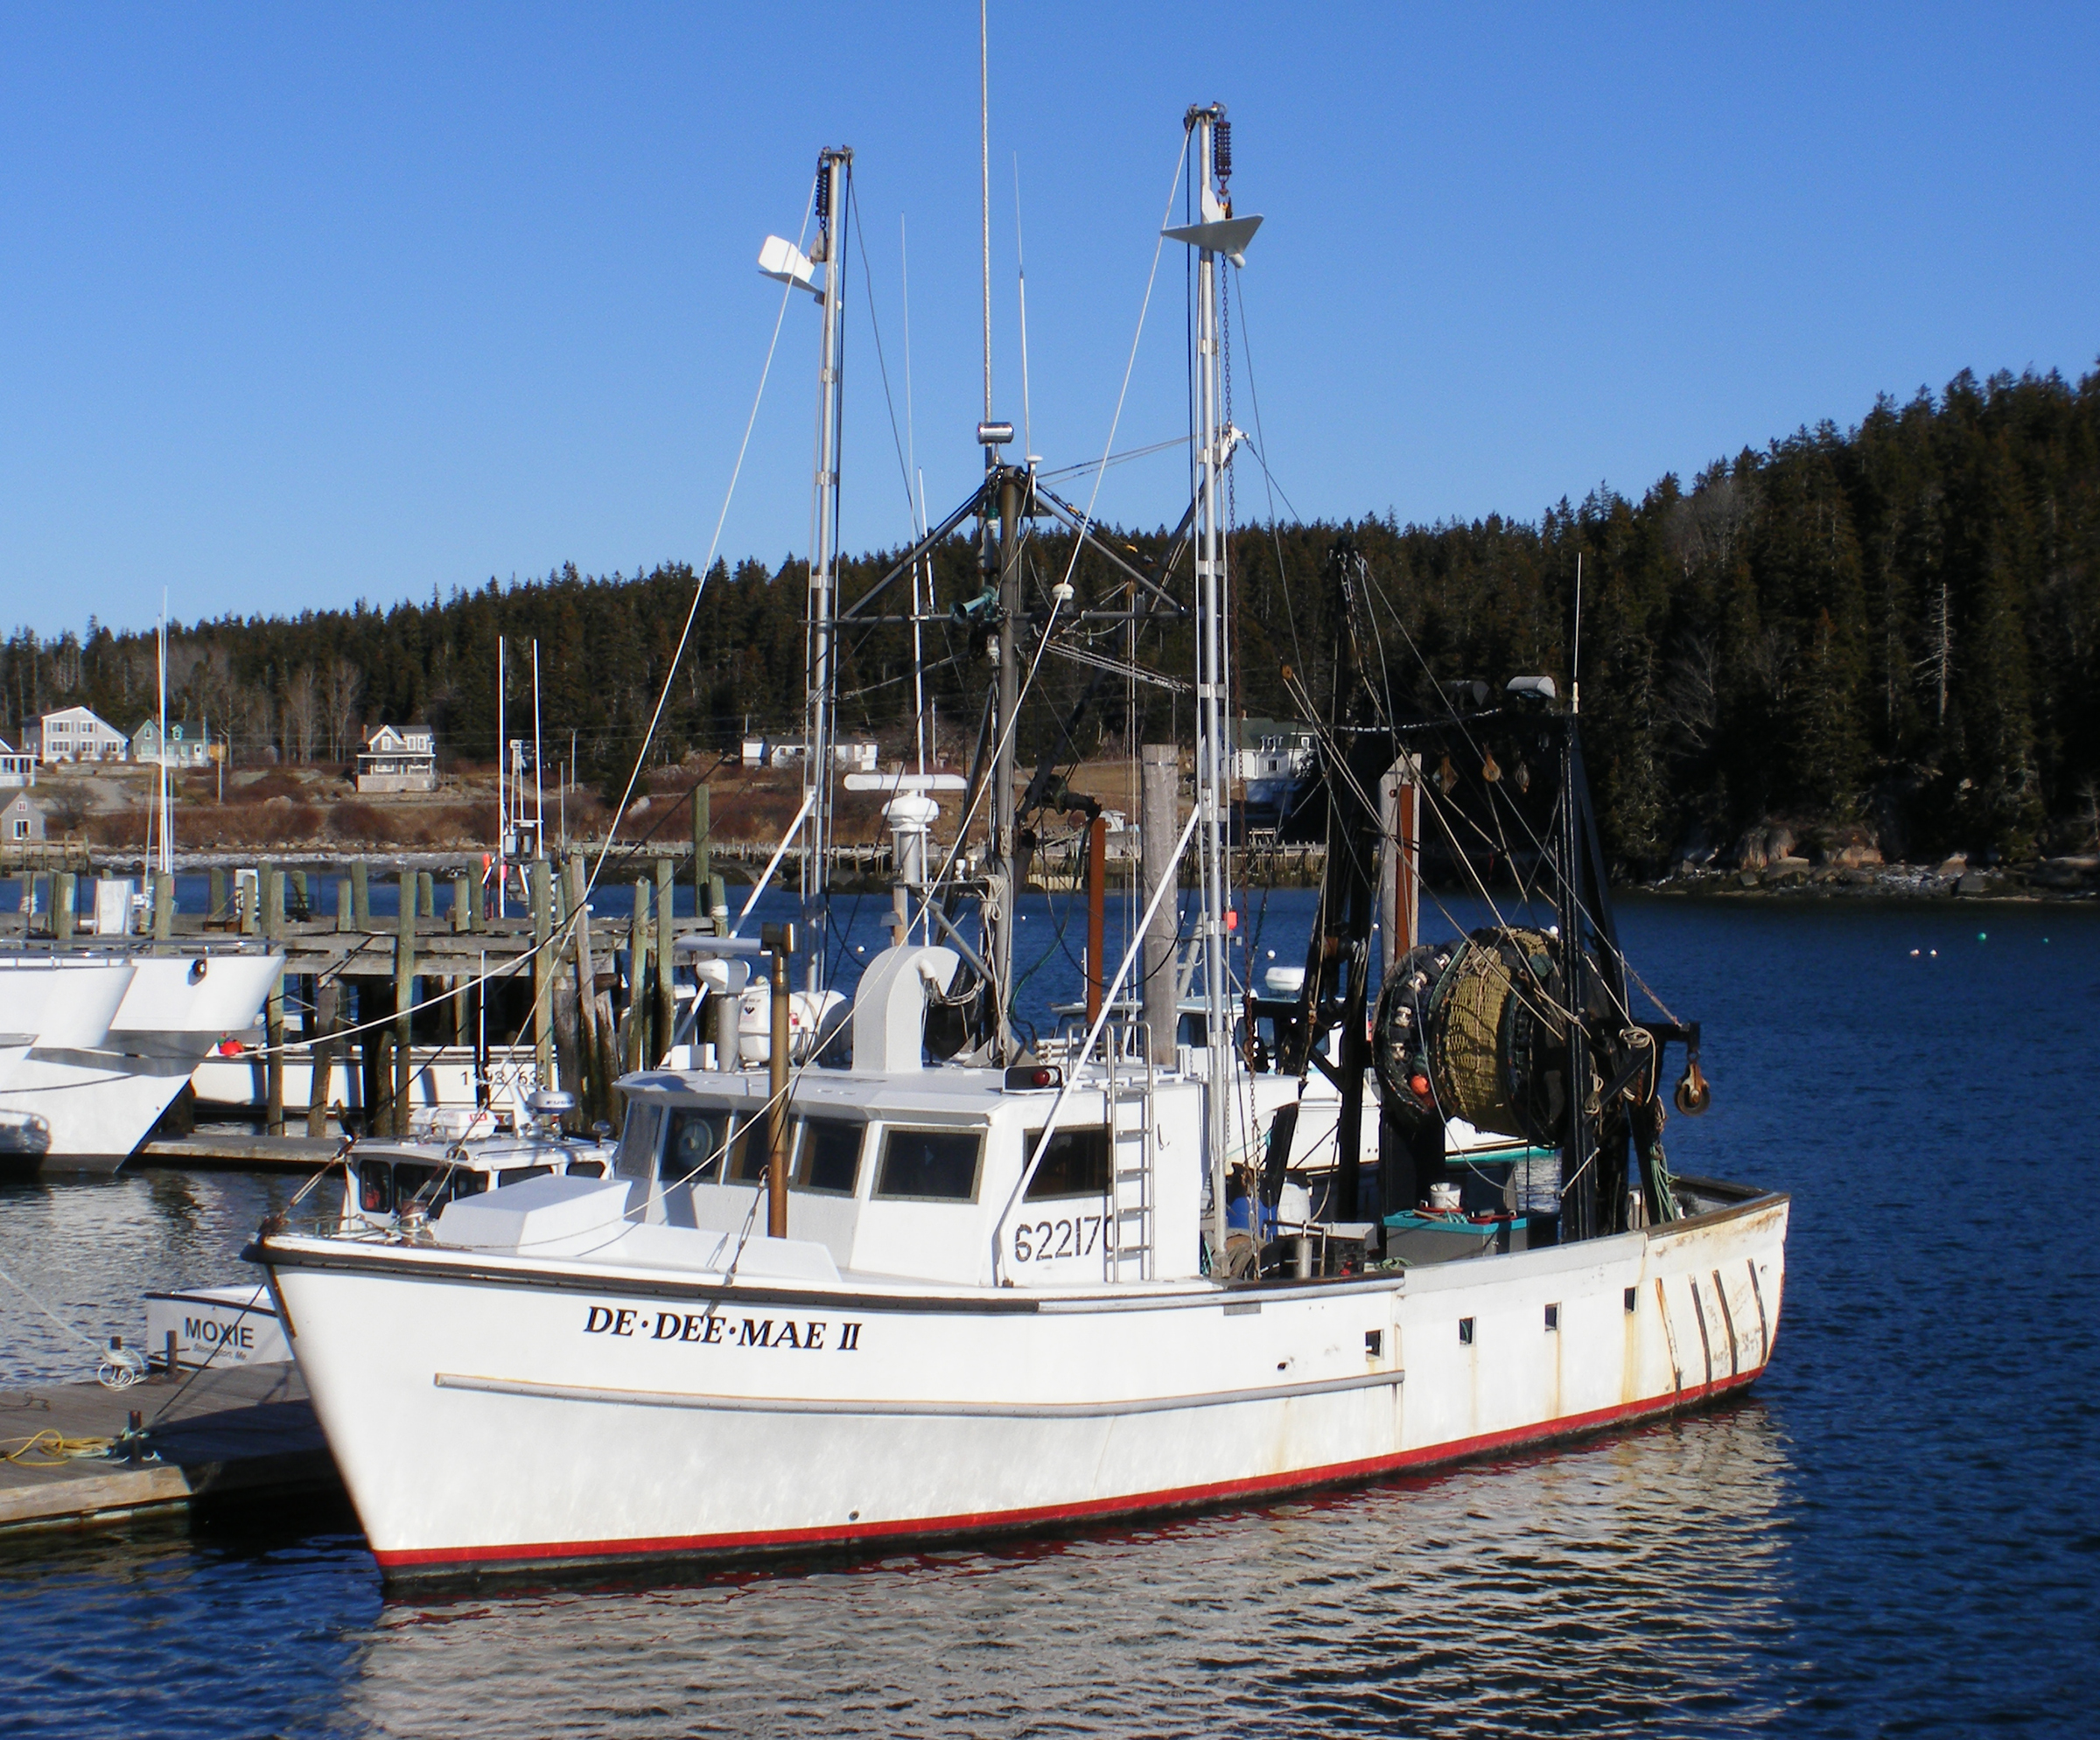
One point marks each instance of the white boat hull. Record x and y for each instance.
(634, 1415)
(443, 1076)
(95, 1097)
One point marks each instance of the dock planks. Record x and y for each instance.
(242, 1438)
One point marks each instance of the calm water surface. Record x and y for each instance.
(1892, 1534)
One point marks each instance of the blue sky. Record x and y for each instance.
(301, 306)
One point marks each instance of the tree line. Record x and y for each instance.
(1892, 626)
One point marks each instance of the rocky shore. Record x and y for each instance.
(2063, 878)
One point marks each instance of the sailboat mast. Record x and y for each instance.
(167, 846)
(834, 191)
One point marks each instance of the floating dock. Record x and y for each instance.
(238, 1440)
(207, 1150)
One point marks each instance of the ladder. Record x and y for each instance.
(1131, 1152)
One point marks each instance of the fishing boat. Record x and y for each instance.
(95, 1046)
(938, 1278)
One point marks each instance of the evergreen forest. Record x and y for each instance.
(1894, 627)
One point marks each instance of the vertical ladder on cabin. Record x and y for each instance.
(1130, 1154)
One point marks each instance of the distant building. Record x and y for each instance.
(22, 821)
(1274, 749)
(15, 769)
(398, 759)
(76, 734)
(183, 750)
(850, 758)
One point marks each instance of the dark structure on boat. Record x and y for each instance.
(1527, 1032)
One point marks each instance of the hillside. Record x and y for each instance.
(1893, 629)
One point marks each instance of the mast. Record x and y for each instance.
(1001, 496)
(502, 789)
(834, 192)
(1217, 235)
(167, 846)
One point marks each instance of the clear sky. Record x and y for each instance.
(301, 304)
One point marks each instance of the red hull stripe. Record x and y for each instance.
(1181, 1497)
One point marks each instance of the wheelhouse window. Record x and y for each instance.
(1075, 1163)
(936, 1164)
(517, 1175)
(828, 1155)
(701, 1137)
(636, 1154)
(432, 1187)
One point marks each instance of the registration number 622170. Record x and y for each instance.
(1047, 1240)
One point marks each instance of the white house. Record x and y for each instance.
(854, 757)
(398, 759)
(183, 750)
(22, 821)
(15, 769)
(1272, 749)
(77, 734)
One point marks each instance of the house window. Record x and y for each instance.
(21, 827)
(930, 1164)
(1075, 1163)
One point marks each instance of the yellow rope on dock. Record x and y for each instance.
(50, 1448)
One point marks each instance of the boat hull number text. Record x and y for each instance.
(1047, 1240)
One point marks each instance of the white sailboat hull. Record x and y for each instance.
(588, 1415)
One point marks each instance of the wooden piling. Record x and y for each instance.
(667, 1002)
(61, 905)
(594, 1048)
(217, 915)
(426, 886)
(701, 826)
(163, 905)
(326, 996)
(361, 894)
(342, 906)
(542, 972)
(642, 982)
(273, 1028)
(404, 1003)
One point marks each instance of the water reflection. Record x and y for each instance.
(90, 1250)
(1632, 1581)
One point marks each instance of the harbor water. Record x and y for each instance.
(1892, 1533)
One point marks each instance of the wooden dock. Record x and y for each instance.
(208, 1150)
(243, 1439)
